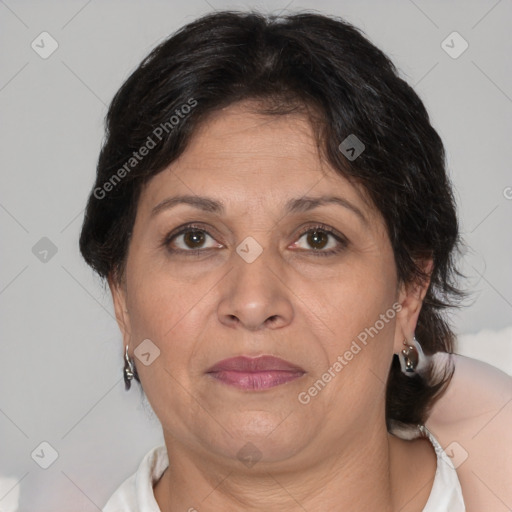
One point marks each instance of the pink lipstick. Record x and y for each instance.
(255, 373)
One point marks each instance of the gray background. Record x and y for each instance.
(61, 351)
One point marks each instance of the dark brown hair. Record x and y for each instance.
(291, 63)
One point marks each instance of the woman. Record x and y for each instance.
(274, 219)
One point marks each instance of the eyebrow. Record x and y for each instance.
(298, 205)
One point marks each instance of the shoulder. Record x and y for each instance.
(476, 388)
(472, 422)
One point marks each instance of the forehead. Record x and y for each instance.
(259, 159)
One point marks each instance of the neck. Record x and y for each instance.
(368, 472)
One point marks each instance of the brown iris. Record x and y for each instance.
(196, 238)
(315, 238)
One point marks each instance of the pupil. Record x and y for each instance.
(314, 238)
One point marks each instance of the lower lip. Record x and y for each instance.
(256, 381)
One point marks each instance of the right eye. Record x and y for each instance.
(190, 238)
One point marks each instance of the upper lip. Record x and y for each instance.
(254, 364)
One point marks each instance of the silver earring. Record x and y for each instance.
(128, 371)
(412, 358)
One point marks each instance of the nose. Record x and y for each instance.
(254, 295)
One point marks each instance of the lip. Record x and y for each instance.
(255, 373)
(254, 364)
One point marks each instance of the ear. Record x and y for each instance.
(410, 298)
(118, 291)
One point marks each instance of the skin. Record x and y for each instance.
(333, 453)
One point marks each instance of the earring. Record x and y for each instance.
(128, 371)
(412, 358)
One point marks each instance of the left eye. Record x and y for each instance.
(318, 239)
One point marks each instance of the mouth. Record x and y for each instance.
(255, 373)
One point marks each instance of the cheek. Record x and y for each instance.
(358, 309)
(158, 301)
(351, 373)
(171, 313)
(354, 299)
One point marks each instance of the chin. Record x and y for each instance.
(261, 435)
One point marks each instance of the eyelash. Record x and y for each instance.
(342, 241)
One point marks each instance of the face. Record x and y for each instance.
(256, 269)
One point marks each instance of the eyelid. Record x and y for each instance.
(343, 242)
(181, 230)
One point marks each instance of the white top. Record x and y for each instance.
(136, 493)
